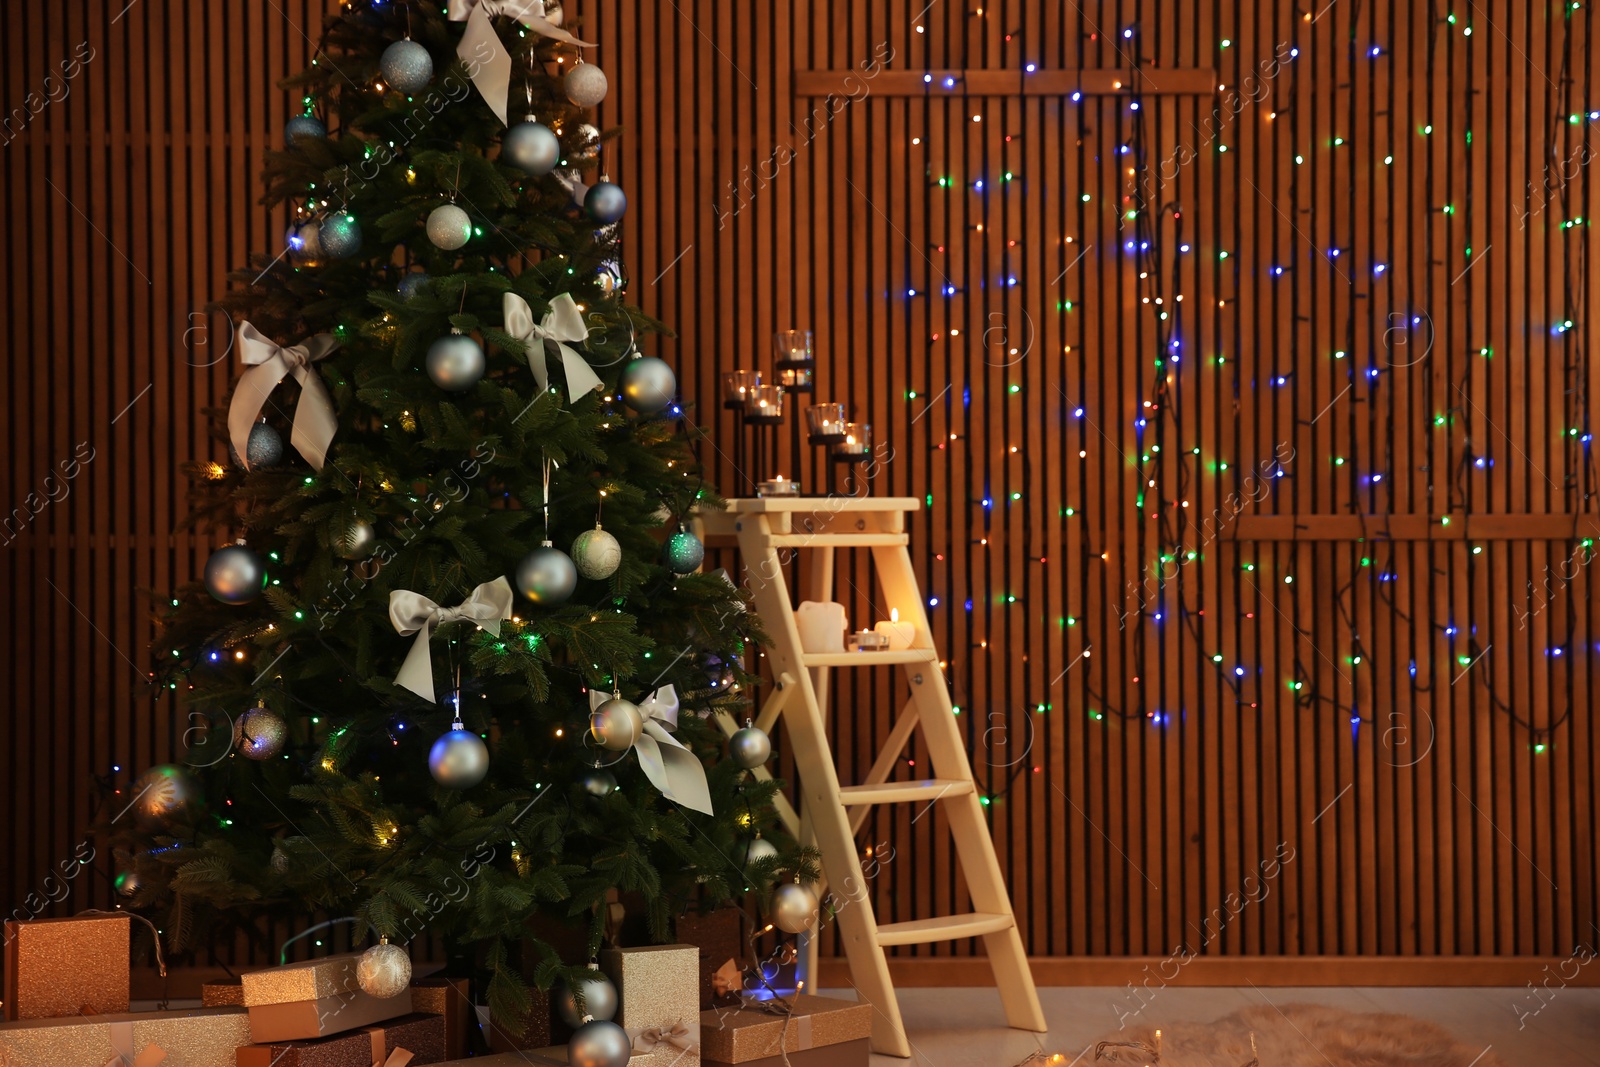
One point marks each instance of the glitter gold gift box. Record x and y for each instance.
(751, 1035)
(658, 998)
(222, 994)
(719, 935)
(419, 1035)
(199, 1037)
(58, 967)
(300, 1001)
(450, 998)
(310, 980)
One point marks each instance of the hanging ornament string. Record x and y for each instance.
(545, 503)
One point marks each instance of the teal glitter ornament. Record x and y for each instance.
(683, 553)
(340, 236)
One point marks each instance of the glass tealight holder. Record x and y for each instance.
(764, 404)
(826, 423)
(857, 443)
(736, 386)
(796, 379)
(794, 348)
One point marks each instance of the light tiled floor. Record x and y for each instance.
(964, 1027)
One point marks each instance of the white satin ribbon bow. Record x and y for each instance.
(484, 54)
(670, 766)
(562, 323)
(269, 363)
(413, 613)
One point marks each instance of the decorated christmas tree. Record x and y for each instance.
(452, 665)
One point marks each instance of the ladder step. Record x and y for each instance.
(943, 928)
(925, 791)
(840, 540)
(886, 658)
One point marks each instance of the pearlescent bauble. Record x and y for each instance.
(164, 792)
(750, 747)
(648, 385)
(407, 66)
(235, 575)
(459, 759)
(598, 782)
(263, 449)
(794, 908)
(307, 127)
(547, 576)
(683, 552)
(605, 202)
(411, 283)
(340, 235)
(756, 850)
(584, 143)
(305, 242)
(383, 971)
(586, 85)
(456, 362)
(600, 1043)
(449, 227)
(260, 733)
(599, 1000)
(127, 883)
(532, 147)
(357, 542)
(616, 724)
(597, 553)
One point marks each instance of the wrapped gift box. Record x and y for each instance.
(755, 1035)
(550, 1057)
(719, 935)
(658, 991)
(199, 1037)
(300, 1001)
(223, 994)
(59, 967)
(423, 1036)
(450, 998)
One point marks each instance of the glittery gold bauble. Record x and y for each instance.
(384, 970)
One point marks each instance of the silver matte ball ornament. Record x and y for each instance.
(260, 733)
(263, 449)
(683, 553)
(304, 127)
(164, 792)
(605, 202)
(235, 575)
(648, 385)
(586, 85)
(616, 724)
(750, 747)
(794, 908)
(532, 147)
(384, 971)
(547, 575)
(411, 283)
(340, 235)
(456, 362)
(356, 542)
(596, 553)
(600, 1043)
(599, 1000)
(598, 782)
(459, 759)
(407, 66)
(449, 227)
(757, 850)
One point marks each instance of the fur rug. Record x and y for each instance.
(1297, 1035)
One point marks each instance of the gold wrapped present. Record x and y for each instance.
(300, 1001)
(658, 998)
(796, 1024)
(199, 1037)
(222, 994)
(310, 980)
(411, 1040)
(57, 967)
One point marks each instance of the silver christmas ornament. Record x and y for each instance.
(307, 127)
(384, 970)
(340, 235)
(532, 147)
(600, 1043)
(585, 143)
(605, 202)
(260, 733)
(648, 385)
(598, 782)
(235, 575)
(263, 449)
(459, 759)
(597, 553)
(357, 542)
(547, 575)
(586, 85)
(683, 552)
(407, 66)
(616, 724)
(411, 283)
(456, 362)
(794, 908)
(599, 999)
(750, 747)
(756, 850)
(304, 241)
(164, 792)
(449, 227)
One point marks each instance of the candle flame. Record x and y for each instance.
(894, 614)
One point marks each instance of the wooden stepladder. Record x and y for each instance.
(770, 533)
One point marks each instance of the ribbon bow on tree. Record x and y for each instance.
(486, 57)
(562, 323)
(413, 613)
(269, 363)
(671, 767)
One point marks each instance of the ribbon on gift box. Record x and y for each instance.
(563, 322)
(382, 1057)
(270, 363)
(648, 1038)
(122, 1042)
(727, 979)
(670, 766)
(413, 613)
(483, 52)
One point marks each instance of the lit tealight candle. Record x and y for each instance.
(900, 634)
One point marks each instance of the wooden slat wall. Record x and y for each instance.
(1137, 783)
